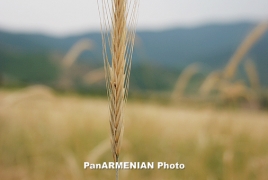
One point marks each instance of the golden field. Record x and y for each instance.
(48, 136)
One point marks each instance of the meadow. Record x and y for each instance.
(45, 135)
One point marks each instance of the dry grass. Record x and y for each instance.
(50, 138)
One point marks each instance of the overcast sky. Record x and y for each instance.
(64, 17)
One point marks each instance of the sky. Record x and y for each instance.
(66, 17)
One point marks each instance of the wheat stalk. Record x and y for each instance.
(252, 74)
(98, 151)
(210, 82)
(75, 51)
(183, 79)
(245, 46)
(233, 91)
(94, 76)
(118, 22)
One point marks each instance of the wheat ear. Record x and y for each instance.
(75, 51)
(118, 22)
(183, 80)
(245, 46)
(210, 83)
(94, 76)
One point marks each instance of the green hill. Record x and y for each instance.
(29, 56)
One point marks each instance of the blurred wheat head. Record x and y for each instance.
(32, 93)
(233, 91)
(118, 21)
(224, 83)
(245, 46)
(94, 76)
(210, 83)
(75, 51)
(183, 80)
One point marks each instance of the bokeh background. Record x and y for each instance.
(198, 90)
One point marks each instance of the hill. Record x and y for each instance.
(169, 50)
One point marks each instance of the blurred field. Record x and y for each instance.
(48, 136)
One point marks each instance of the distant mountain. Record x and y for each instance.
(210, 45)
